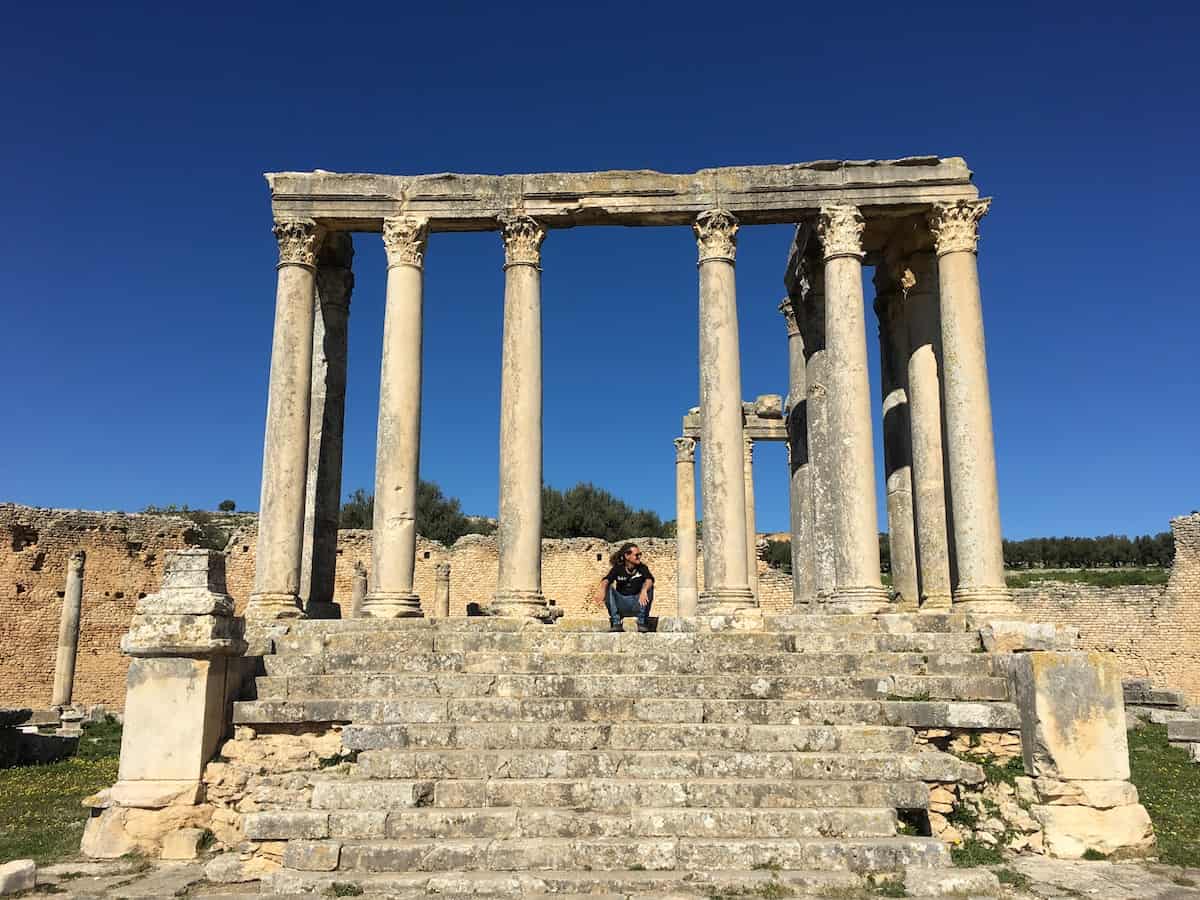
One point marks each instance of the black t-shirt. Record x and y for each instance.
(628, 584)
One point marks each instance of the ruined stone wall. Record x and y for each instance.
(1153, 630)
(124, 563)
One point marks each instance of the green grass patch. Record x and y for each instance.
(1097, 577)
(1168, 783)
(975, 853)
(996, 772)
(343, 889)
(1013, 878)
(1092, 855)
(40, 815)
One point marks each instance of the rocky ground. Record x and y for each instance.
(1028, 878)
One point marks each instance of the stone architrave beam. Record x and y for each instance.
(755, 195)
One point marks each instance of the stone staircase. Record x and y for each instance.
(490, 756)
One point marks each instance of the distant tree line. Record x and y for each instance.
(582, 511)
(1111, 551)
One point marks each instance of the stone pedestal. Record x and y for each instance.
(800, 469)
(68, 632)
(285, 449)
(519, 582)
(852, 464)
(398, 447)
(327, 417)
(441, 590)
(685, 527)
(726, 578)
(970, 448)
(925, 419)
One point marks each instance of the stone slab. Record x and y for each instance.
(1070, 831)
(1184, 730)
(18, 875)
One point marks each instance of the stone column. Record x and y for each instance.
(852, 458)
(358, 590)
(968, 410)
(326, 423)
(723, 495)
(285, 449)
(751, 524)
(897, 451)
(685, 527)
(819, 439)
(441, 590)
(799, 466)
(925, 418)
(519, 584)
(68, 632)
(398, 444)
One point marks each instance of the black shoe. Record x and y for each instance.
(618, 628)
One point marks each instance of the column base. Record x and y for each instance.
(725, 601)
(521, 604)
(858, 600)
(392, 605)
(274, 605)
(322, 609)
(988, 600)
(936, 603)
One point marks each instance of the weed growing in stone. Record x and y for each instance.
(343, 889)
(973, 852)
(1168, 785)
(1013, 878)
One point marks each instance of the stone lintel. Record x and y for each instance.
(759, 428)
(756, 195)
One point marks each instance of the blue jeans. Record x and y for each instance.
(621, 606)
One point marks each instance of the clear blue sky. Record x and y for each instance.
(137, 265)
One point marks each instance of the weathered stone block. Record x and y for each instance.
(1184, 730)
(312, 856)
(267, 826)
(1005, 636)
(1097, 794)
(1072, 716)
(18, 875)
(183, 843)
(155, 794)
(1070, 831)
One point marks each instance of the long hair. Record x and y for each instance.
(619, 556)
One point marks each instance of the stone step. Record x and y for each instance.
(347, 797)
(817, 663)
(895, 623)
(625, 737)
(574, 885)
(877, 854)
(551, 822)
(917, 714)
(504, 763)
(396, 686)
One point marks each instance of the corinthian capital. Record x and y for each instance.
(523, 238)
(404, 240)
(840, 227)
(298, 240)
(955, 225)
(716, 234)
(75, 562)
(787, 306)
(685, 449)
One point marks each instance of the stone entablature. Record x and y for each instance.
(756, 195)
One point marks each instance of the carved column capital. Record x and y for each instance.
(685, 449)
(791, 316)
(404, 239)
(523, 238)
(76, 561)
(298, 241)
(716, 234)
(442, 570)
(840, 227)
(955, 225)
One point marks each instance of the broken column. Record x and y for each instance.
(441, 590)
(751, 525)
(1074, 744)
(685, 527)
(186, 647)
(68, 631)
(358, 590)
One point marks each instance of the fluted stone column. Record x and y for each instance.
(799, 466)
(68, 632)
(285, 448)
(852, 461)
(326, 424)
(723, 492)
(897, 450)
(441, 590)
(819, 440)
(398, 444)
(685, 527)
(358, 590)
(968, 410)
(925, 417)
(751, 524)
(519, 585)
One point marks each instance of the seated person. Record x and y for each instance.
(628, 588)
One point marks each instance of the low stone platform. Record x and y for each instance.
(500, 757)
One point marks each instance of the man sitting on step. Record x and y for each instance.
(628, 588)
